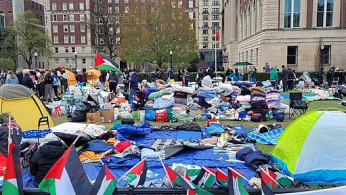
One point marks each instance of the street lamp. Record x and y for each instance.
(75, 58)
(171, 54)
(35, 54)
(321, 56)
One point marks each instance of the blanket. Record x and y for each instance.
(75, 128)
(270, 137)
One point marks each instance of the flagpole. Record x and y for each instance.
(130, 169)
(165, 170)
(242, 176)
(270, 177)
(215, 52)
(74, 142)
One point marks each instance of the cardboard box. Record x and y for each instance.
(93, 117)
(107, 114)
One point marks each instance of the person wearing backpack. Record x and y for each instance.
(56, 83)
(48, 81)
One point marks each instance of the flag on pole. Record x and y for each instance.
(105, 183)
(205, 177)
(13, 183)
(268, 182)
(66, 176)
(103, 62)
(235, 183)
(282, 179)
(191, 188)
(221, 177)
(218, 35)
(137, 174)
(172, 176)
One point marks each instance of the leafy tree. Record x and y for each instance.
(151, 29)
(7, 64)
(105, 26)
(29, 36)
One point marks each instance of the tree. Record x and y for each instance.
(29, 37)
(151, 29)
(7, 64)
(105, 26)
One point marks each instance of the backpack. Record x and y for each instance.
(49, 79)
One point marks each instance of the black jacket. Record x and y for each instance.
(27, 81)
(20, 77)
(44, 159)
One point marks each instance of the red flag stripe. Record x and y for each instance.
(109, 175)
(99, 60)
(171, 174)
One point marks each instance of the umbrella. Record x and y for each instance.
(108, 67)
(71, 78)
(242, 64)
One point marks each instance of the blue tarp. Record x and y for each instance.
(98, 146)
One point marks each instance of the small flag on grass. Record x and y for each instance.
(235, 183)
(205, 177)
(221, 177)
(191, 188)
(172, 176)
(13, 183)
(137, 174)
(268, 182)
(105, 183)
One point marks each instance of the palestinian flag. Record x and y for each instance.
(191, 188)
(221, 177)
(235, 183)
(105, 183)
(67, 176)
(173, 177)
(137, 174)
(103, 62)
(13, 183)
(205, 177)
(268, 182)
(282, 179)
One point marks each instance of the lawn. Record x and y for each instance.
(320, 105)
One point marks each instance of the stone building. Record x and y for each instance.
(302, 34)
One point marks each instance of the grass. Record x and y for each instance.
(320, 105)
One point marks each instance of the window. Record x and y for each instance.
(81, 17)
(83, 49)
(118, 31)
(190, 4)
(73, 39)
(117, 10)
(71, 17)
(54, 17)
(110, 10)
(66, 49)
(216, 17)
(65, 39)
(102, 42)
(70, 6)
(55, 28)
(215, 11)
(292, 13)
(109, 1)
(81, 6)
(100, 20)
(54, 6)
(127, 8)
(126, 1)
(215, 3)
(205, 32)
(205, 17)
(213, 38)
(56, 61)
(180, 3)
(205, 38)
(65, 28)
(191, 15)
(325, 10)
(116, 1)
(292, 55)
(56, 39)
(73, 61)
(205, 11)
(56, 50)
(73, 49)
(64, 6)
(205, 24)
(64, 17)
(83, 60)
(82, 28)
(82, 39)
(205, 2)
(215, 24)
(326, 54)
(205, 45)
(72, 28)
(67, 60)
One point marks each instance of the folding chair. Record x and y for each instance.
(335, 81)
(42, 121)
(297, 105)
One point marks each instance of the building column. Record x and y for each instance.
(233, 6)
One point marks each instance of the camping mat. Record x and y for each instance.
(305, 96)
(270, 137)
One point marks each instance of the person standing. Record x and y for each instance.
(48, 81)
(79, 76)
(170, 73)
(284, 75)
(2, 77)
(236, 76)
(20, 75)
(267, 68)
(186, 77)
(291, 79)
(133, 86)
(11, 78)
(103, 78)
(41, 85)
(274, 77)
(330, 75)
(254, 75)
(320, 76)
(113, 82)
(250, 75)
(56, 83)
(27, 80)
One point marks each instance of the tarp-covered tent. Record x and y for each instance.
(71, 78)
(24, 105)
(312, 148)
(93, 75)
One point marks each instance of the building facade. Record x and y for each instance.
(209, 21)
(302, 34)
